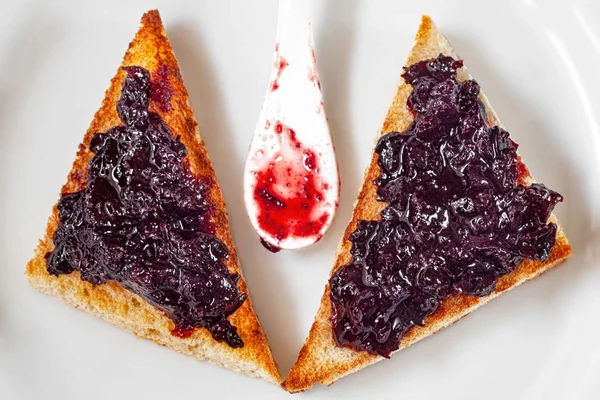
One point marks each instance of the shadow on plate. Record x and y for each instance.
(28, 48)
(262, 271)
(333, 47)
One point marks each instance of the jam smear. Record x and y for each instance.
(161, 90)
(289, 191)
(312, 74)
(280, 63)
(143, 221)
(457, 217)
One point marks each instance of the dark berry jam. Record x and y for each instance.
(143, 221)
(456, 220)
(290, 191)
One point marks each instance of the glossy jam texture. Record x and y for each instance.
(457, 216)
(143, 221)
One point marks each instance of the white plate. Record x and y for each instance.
(536, 60)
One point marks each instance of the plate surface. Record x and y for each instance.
(536, 60)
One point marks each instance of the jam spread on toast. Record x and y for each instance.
(457, 217)
(143, 220)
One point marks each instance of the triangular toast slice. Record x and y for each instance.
(321, 360)
(151, 50)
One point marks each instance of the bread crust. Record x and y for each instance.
(320, 359)
(150, 49)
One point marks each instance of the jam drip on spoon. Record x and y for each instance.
(290, 191)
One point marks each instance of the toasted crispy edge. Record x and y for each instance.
(110, 302)
(320, 359)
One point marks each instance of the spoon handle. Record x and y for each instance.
(294, 38)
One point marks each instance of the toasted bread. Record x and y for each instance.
(321, 360)
(111, 302)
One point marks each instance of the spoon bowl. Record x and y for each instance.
(291, 179)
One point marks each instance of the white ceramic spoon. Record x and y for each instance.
(291, 179)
